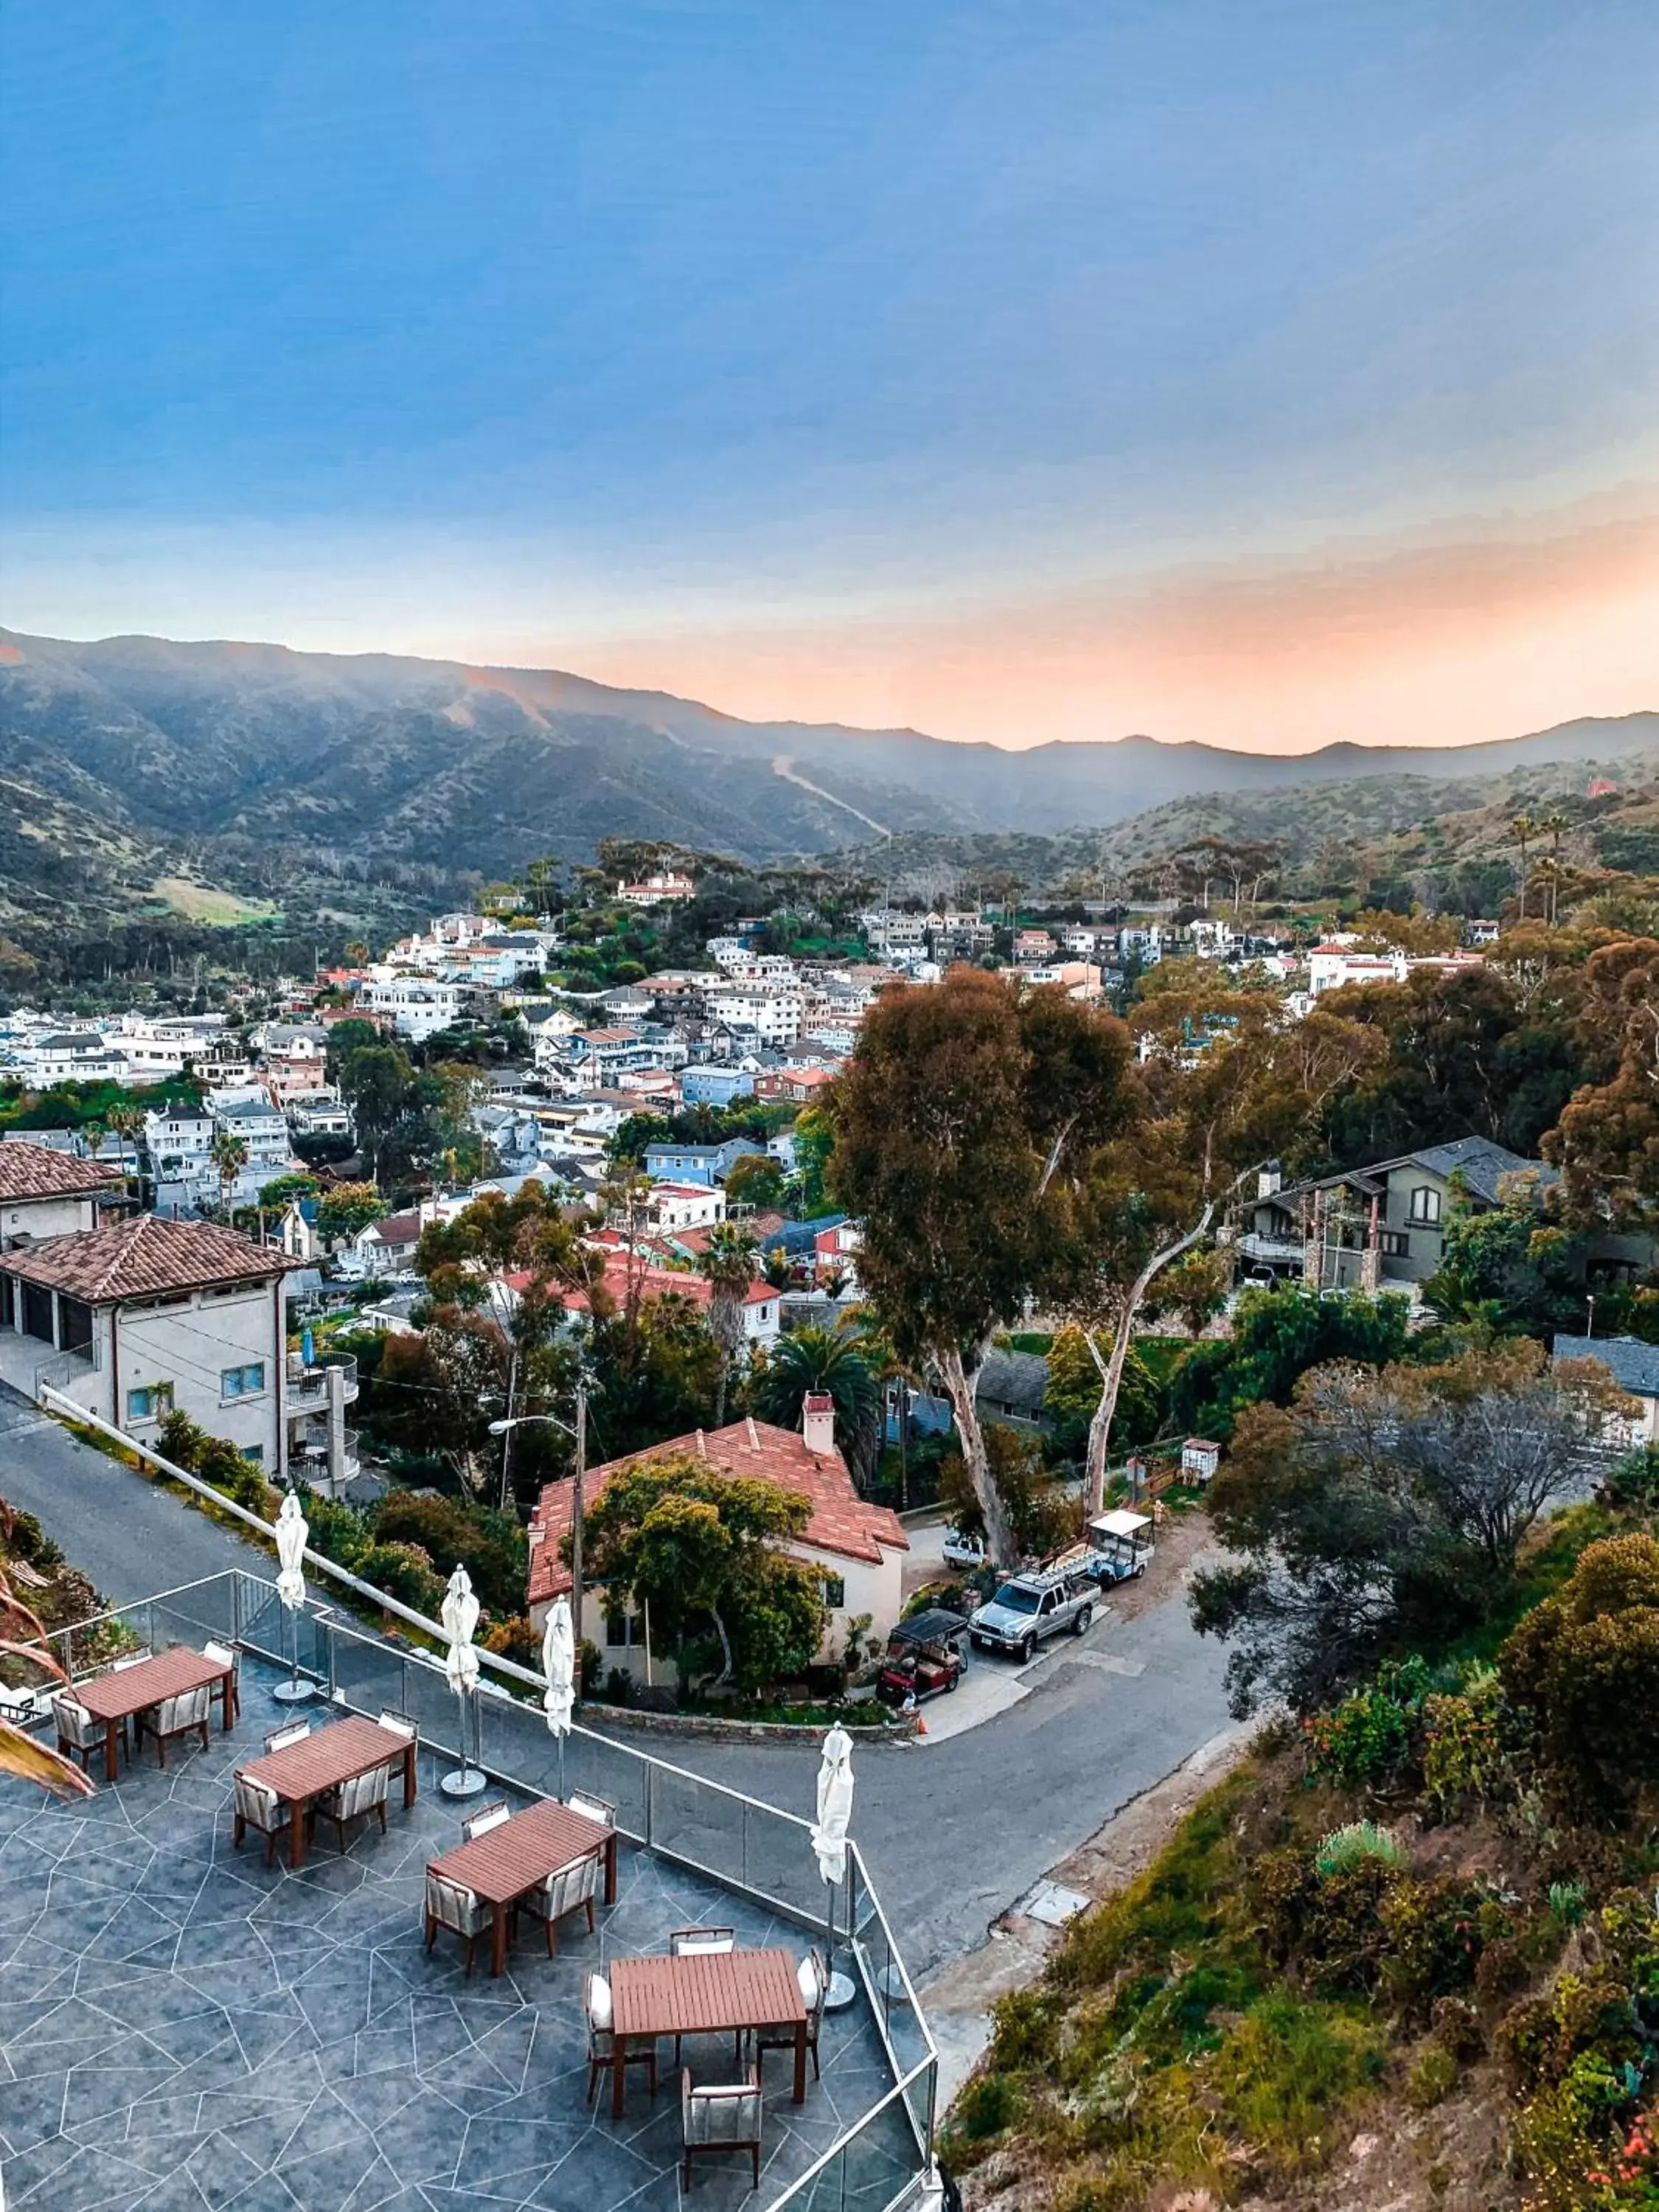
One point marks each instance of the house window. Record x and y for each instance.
(1396, 1245)
(623, 1631)
(242, 1381)
(254, 1452)
(1425, 1204)
(835, 1593)
(151, 1403)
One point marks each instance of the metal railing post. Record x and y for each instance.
(650, 1806)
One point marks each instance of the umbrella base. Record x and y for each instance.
(891, 1982)
(841, 1993)
(464, 1781)
(294, 1693)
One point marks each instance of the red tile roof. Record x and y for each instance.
(841, 1523)
(142, 1257)
(36, 1171)
(650, 1280)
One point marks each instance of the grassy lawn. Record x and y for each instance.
(203, 903)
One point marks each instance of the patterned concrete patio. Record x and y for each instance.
(181, 2028)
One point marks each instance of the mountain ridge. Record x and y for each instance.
(255, 760)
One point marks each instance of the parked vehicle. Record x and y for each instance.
(1029, 1608)
(1119, 1545)
(924, 1657)
(963, 1552)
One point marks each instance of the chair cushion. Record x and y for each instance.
(807, 1975)
(598, 2001)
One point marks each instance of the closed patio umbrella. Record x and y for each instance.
(559, 1665)
(835, 1807)
(292, 1535)
(460, 1618)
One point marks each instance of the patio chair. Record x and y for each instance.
(702, 1942)
(563, 1892)
(486, 1817)
(253, 1806)
(132, 1659)
(593, 1808)
(294, 1732)
(78, 1734)
(363, 1793)
(721, 2118)
(184, 1715)
(813, 1975)
(224, 1656)
(448, 1904)
(602, 2041)
(400, 1723)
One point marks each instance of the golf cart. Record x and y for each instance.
(1120, 1546)
(924, 1658)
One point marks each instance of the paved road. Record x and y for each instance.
(953, 1831)
(129, 1538)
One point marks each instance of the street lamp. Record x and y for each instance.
(505, 1428)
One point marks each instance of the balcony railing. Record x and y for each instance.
(308, 1386)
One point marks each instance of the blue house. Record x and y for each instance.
(716, 1086)
(704, 1163)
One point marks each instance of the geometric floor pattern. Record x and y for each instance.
(184, 2030)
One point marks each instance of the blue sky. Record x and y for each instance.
(790, 346)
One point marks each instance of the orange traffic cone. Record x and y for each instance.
(921, 1725)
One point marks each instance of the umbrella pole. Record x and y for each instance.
(465, 1780)
(293, 1691)
(843, 1989)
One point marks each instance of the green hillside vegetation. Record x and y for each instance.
(1430, 1914)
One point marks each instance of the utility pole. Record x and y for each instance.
(507, 1436)
(576, 1527)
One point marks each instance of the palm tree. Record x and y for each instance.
(726, 1263)
(1523, 829)
(1555, 824)
(831, 1361)
(229, 1156)
(128, 1123)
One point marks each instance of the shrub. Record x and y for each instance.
(1369, 1736)
(985, 2106)
(1455, 2025)
(1431, 1940)
(403, 1572)
(1432, 2076)
(1463, 1753)
(516, 1638)
(1585, 1664)
(1345, 1848)
(1567, 1902)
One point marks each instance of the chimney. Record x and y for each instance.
(1269, 1179)
(818, 1422)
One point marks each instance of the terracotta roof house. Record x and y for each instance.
(142, 1315)
(46, 1193)
(859, 1547)
(643, 1277)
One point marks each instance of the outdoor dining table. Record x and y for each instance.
(704, 1993)
(125, 1691)
(324, 1761)
(508, 1861)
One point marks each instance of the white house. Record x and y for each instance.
(139, 1316)
(44, 1192)
(686, 1204)
(419, 1005)
(858, 1548)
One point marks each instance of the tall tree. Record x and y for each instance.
(958, 1120)
(832, 1361)
(727, 1264)
(1230, 1083)
(229, 1156)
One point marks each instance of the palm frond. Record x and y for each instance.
(20, 1754)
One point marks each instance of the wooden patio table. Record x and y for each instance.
(507, 1861)
(705, 1993)
(117, 1696)
(323, 1760)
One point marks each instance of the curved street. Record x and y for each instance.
(954, 1830)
